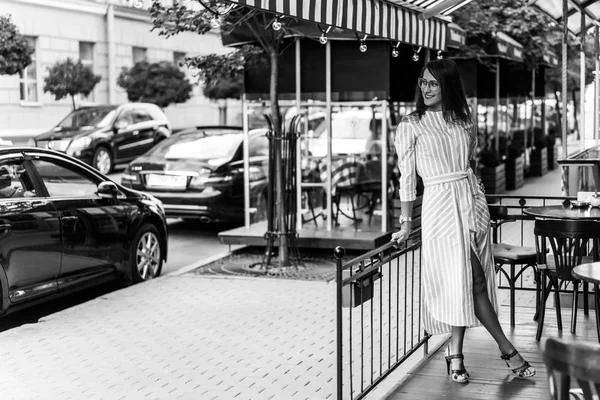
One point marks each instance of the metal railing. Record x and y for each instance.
(379, 312)
(379, 319)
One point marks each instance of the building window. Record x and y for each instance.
(86, 56)
(179, 58)
(28, 79)
(139, 54)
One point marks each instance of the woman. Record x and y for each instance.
(438, 142)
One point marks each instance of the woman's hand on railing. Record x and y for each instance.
(400, 237)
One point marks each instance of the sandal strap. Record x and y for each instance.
(459, 371)
(455, 357)
(519, 370)
(509, 356)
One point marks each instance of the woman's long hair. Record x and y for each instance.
(454, 101)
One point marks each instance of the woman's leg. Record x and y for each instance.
(484, 311)
(456, 346)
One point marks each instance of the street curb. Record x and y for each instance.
(201, 263)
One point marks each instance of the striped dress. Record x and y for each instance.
(454, 219)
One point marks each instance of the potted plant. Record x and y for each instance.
(515, 164)
(492, 171)
(539, 155)
(552, 149)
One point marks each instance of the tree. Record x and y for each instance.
(69, 78)
(483, 18)
(223, 74)
(161, 83)
(15, 51)
(173, 20)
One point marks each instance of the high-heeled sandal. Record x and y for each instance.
(458, 375)
(523, 371)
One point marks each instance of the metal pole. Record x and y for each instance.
(384, 165)
(597, 85)
(532, 103)
(565, 170)
(582, 83)
(246, 162)
(329, 132)
(299, 141)
(496, 111)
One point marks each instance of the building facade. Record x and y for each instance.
(107, 35)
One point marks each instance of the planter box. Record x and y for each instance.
(539, 162)
(552, 157)
(359, 291)
(515, 172)
(494, 179)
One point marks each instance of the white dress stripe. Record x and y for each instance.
(454, 219)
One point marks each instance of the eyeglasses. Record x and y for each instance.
(434, 86)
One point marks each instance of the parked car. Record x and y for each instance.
(64, 227)
(198, 174)
(104, 136)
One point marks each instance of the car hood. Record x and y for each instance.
(68, 133)
(149, 163)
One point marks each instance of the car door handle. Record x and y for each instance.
(69, 220)
(5, 228)
(135, 133)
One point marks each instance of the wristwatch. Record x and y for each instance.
(404, 219)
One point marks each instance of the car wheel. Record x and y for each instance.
(145, 254)
(102, 160)
(261, 209)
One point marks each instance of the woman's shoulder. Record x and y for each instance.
(412, 118)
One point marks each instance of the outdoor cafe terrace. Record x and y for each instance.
(383, 351)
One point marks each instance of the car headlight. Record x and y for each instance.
(78, 144)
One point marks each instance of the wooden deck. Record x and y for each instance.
(490, 378)
(357, 236)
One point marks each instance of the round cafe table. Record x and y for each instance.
(564, 212)
(591, 273)
(585, 272)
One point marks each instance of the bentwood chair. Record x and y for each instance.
(509, 255)
(572, 361)
(344, 179)
(570, 242)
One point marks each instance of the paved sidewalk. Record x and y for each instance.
(180, 337)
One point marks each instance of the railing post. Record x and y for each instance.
(339, 254)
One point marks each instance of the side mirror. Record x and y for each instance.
(107, 190)
(120, 124)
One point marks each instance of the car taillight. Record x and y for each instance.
(208, 180)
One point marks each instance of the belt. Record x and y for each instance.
(471, 179)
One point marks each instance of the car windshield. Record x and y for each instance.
(198, 146)
(97, 117)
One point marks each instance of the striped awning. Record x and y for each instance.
(550, 59)
(398, 20)
(506, 47)
(457, 37)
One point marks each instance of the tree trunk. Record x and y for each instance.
(284, 259)
(558, 112)
(73, 101)
(222, 111)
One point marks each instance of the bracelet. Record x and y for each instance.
(404, 219)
